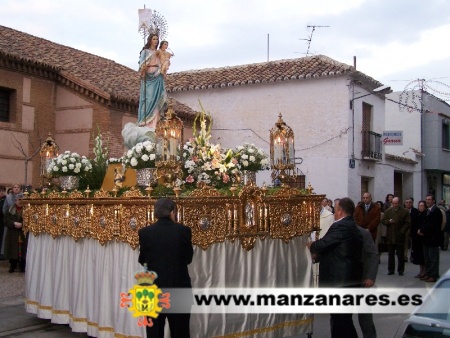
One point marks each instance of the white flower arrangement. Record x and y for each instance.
(251, 158)
(69, 164)
(205, 162)
(142, 155)
(208, 163)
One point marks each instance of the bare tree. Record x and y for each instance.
(35, 148)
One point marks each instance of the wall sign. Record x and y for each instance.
(393, 138)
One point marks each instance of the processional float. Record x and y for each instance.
(83, 245)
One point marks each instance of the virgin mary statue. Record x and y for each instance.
(153, 97)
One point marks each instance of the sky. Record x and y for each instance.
(396, 42)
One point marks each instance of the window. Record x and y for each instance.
(445, 136)
(371, 141)
(446, 187)
(5, 95)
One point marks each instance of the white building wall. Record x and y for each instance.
(316, 109)
(376, 171)
(399, 117)
(406, 121)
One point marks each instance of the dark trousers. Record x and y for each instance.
(342, 326)
(367, 326)
(400, 251)
(178, 324)
(431, 256)
(13, 264)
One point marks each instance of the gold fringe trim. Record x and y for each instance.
(268, 329)
(79, 320)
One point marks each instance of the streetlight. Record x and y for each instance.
(379, 90)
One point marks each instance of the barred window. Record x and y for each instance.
(5, 98)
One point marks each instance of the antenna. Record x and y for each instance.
(311, 35)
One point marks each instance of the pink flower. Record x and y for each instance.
(190, 179)
(215, 163)
(225, 178)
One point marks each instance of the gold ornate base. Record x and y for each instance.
(213, 217)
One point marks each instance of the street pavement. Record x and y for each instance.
(386, 324)
(15, 322)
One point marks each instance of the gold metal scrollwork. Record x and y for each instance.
(213, 217)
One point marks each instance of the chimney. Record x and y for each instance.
(354, 62)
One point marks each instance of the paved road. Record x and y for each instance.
(386, 324)
(15, 322)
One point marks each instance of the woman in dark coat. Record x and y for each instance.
(15, 241)
(388, 202)
(416, 240)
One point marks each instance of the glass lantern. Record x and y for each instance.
(282, 151)
(169, 140)
(49, 150)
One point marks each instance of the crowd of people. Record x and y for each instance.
(13, 242)
(348, 250)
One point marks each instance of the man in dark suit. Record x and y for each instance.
(370, 269)
(432, 238)
(166, 248)
(416, 240)
(398, 222)
(339, 254)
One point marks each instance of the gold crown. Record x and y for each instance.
(145, 277)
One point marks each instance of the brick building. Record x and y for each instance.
(46, 88)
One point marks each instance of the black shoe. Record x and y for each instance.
(390, 273)
(11, 270)
(400, 273)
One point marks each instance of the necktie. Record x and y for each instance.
(367, 208)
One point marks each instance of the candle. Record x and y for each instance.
(277, 151)
(173, 147)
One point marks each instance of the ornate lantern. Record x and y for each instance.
(49, 150)
(282, 152)
(169, 139)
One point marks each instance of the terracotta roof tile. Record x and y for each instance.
(266, 72)
(104, 76)
(122, 83)
(108, 76)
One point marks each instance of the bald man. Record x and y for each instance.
(397, 220)
(368, 215)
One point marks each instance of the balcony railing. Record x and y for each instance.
(371, 146)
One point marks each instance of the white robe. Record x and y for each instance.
(326, 220)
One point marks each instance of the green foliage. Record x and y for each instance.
(94, 178)
(272, 190)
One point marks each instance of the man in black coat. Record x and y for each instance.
(166, 248)
(339, 254)
(432, 239)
